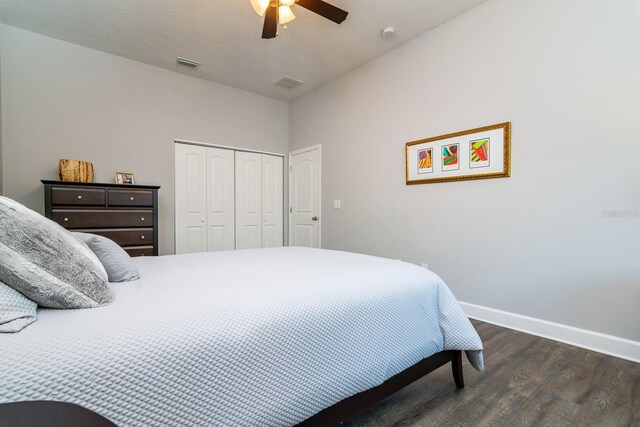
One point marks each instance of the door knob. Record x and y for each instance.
(315, 218)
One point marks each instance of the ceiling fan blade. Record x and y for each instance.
(325, 9)
(270, 29)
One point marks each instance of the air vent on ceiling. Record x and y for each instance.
(188, 63)
(288, 82)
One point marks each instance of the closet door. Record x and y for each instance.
(248, 200)
(220, 200)
(191, 198)
(272, 201)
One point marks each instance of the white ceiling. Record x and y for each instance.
(225, 35)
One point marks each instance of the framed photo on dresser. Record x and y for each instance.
(126, 178)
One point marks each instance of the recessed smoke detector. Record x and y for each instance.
(188, 63)
(389, 32)
(288, 82)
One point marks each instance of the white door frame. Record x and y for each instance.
(225, 147)
(293, 153)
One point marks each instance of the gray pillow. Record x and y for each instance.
(114, 259)
(16, 311)
(45, 263)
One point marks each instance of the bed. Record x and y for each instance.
(268, 337)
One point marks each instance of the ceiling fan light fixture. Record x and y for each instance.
(260, 6)
(278, 12)
(285, 15)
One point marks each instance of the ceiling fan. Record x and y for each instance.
(278, 12)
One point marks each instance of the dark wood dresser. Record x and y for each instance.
(126, 214)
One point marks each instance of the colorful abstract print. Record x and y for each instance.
(425, 161)
(450, 157)
(479, 153)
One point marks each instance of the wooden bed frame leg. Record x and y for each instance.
(456, 367)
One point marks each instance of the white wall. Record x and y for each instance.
(567, 75)
(0, 119)
(60, 100)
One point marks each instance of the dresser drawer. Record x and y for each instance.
(126, 236)
(102, 218)
(140, 251)
(78, 196)
(127, 197)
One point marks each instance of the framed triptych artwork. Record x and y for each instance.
(471, 154)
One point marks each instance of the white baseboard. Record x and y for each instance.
(602, 343)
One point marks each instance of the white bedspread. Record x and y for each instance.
(263, 337)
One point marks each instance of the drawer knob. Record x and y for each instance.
(66, 219)
(79, 197)
(130, 198)
(142, 219)
(142, 237)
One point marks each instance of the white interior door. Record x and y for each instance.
(220, 200)
(272, 200)
(304, 197)
(248, 200)
(191, 196)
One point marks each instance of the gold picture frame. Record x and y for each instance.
(479, 153)
(125, 178)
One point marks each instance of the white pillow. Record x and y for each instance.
(115, 260)
(45, 263)
(16, 311)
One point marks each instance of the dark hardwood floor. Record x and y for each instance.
(528, 381)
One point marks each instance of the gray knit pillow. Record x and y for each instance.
(16, 311)
(114, 259)
(45, 263)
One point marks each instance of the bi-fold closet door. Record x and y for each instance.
(227, 199)
(259, 199)
(205, 214)
(220, 200)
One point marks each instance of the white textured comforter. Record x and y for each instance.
(263, 337)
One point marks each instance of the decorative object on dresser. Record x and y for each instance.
(125, 178)
(75, 171)
(128, 215)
